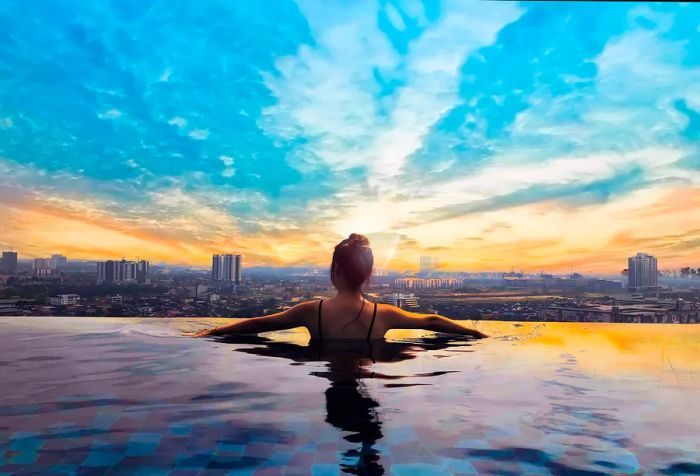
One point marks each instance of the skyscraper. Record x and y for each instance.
(142, 272)
(428, 264)
(379, 272)
(122, 272)
(642, 271)
(8, 263)
(216, 272)
(41, 268)
(227, 267)
(58, 261)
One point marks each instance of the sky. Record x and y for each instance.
(491, 135)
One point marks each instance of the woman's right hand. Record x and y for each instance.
(201, 333)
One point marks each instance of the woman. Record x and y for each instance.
(348, 315)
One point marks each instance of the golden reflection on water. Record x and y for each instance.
(669, 352)
(665, 351)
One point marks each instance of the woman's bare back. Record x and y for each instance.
(337, 318)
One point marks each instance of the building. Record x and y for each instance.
(429, 264)
(642, 271)
(633, 310)
(41, 268)
(404, 301)
(64, 300)
(58, 261)
(10, 307)
(227, 267)
(142, 272)
(122, 272)
(8, 262)
(427, 283)
(380, 272)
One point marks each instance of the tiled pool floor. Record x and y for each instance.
(130, 396)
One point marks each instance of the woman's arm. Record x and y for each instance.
(288, 319)
(400, 319)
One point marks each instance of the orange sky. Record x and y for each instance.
(544, 236)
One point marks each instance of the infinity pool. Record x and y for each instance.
(130, 396)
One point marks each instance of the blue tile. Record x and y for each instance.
(241, 472)
(151, 472)
(195, 461)
(180, 429)
(320, 469)
(402, 435)
(459, 466)
(474, 444)
(25, 442)
(64, 469)
(533, 469)
(105, 420)
(102, 458)
(308, 446)
(419, 469)
(230, 448)
(279, 458)
(25, 457)
(142, 444)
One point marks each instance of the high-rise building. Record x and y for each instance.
(216, 272)
(642, 271)
(428, 264)
(58, 261)
(8, 262)
(227, 267)
(122, 272)
(142, 272)
(41, 268)
(101, 272)
(380, 272)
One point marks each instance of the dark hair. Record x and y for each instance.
(353, 260)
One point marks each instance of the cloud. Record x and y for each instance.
(476, 130)
(229, 171)
(110, 114)
(332, 93)
(198, 134)
(178, 122)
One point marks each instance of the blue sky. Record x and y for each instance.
(493, 134)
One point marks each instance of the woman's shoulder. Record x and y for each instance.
(307, 305)
(387, 309)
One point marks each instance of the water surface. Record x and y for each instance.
(130, 396)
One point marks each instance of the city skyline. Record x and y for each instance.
(228, 267)
(494, 135)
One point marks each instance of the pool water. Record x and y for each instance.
(131, 396)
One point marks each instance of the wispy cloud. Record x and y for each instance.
(494, 135)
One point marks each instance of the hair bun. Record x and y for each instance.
(356, 239)
(353, 260)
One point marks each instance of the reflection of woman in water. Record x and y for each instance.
(353, 317)
(349, 405)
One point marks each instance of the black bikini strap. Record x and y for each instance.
(374, 314)
(320, 333)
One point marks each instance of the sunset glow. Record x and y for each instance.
(493, 135)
